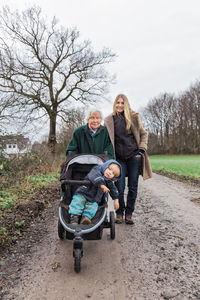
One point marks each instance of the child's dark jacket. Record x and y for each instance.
(93, 192)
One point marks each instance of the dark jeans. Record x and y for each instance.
(131, 168)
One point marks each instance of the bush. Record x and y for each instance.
(5, 164)
(14, 170)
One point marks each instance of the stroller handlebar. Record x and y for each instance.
(78, 182)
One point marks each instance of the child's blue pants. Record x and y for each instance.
(80, 206)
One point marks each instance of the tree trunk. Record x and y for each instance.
(52, 134)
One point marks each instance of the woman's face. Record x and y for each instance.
(119, 105)
(94, 120)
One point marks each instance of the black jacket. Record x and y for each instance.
(125, 143)
(93, 192)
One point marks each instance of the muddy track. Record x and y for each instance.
(156, 258)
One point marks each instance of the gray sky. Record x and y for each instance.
(157, 42)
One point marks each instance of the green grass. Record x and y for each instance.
(25, 190)
(43, 179)
(181, 165)
(7, 200)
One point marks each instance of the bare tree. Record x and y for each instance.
(174, 122)
(73, 119)
(192, 118)
(157, 117)
(46, 68)
(6, 112)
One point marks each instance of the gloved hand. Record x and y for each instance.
(141, 151)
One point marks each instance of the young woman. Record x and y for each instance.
(129, 140)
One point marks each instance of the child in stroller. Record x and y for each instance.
(73, 173)
(86, 198)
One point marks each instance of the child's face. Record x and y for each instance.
(108, 173)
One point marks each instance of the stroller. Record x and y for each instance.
(73, 171)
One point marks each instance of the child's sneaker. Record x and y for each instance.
(85, 220)
(74, 220)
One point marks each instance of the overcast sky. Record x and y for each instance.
(157, 42)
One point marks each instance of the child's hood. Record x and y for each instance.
(107, 163)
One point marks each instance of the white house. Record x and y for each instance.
(14, 144)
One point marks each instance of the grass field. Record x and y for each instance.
(181, 165)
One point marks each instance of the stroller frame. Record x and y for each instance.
(80, 232)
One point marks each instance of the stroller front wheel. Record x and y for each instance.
(77, 260)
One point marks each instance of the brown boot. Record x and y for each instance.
(85, 220)
(129, 220)
(118, 219)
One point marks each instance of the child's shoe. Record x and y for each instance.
(74, 220)
(85, 220)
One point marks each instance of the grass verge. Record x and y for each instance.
(24, 190)
(21, 202)
(182, 167)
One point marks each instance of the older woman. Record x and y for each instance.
(129, 141)
(92, 137)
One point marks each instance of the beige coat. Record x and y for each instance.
(141, 137)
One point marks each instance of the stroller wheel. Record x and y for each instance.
(112, 225)
(61, 230)
(77, 260)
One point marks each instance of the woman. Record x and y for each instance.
(129, 140)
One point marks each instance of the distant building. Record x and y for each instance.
(14, 145)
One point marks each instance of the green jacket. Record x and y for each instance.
(83, 142)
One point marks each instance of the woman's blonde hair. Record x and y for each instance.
(127, 110)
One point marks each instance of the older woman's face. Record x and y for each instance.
(119, 105)
(94, 120)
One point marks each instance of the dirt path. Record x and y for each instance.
(156, 258)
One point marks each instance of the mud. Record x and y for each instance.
(156, 258)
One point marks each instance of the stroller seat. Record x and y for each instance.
(73, 172)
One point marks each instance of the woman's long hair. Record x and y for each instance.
(127, 110)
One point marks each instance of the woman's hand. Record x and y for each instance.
(116, 204)
(104, 188)
(141, 151)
